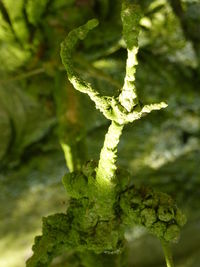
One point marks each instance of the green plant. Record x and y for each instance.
(104, 202)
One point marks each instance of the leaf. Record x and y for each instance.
(35, 9)
(28, 121)
(17, 19)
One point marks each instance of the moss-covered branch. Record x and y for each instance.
(107, 163)
(67, 49)
(123, 109)
(104, 202)
(130, 15)
(96, 220)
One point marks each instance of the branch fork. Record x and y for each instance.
(120, 110)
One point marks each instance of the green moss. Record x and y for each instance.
(148, 217)
(180, 218)
(131, 15)
(158, 229)
(76, 184)
(172, 233)
(154, 210)
(165, 213)
(96, 220)
(55, 234)
(103, 202)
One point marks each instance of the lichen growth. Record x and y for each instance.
(122, 109)
(97, 222)
(103, 202)
(155, 210)
(131, 15)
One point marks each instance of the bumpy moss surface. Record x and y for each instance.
(96, 220)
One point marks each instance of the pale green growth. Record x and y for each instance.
(123, 109)
(67, 49)
(107, 163)
(96, 220)
(68, 155)
(128, 96)
(168, 254)
(135, 115)
(131, 16)
(103, 202)
(151, 107)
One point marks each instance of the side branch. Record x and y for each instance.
(67, 49)
(122, 109)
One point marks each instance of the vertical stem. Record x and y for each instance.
(128, 96)
(130, 15)
(168, 254)
(107, 163)
(70, 130)
(74, 153)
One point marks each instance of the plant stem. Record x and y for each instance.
(70, 130)
(74, 154)
(130, 15)
(128, 96)
(168, 254)
(67, 49)
(107, 163)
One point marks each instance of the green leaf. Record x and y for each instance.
(35, 9)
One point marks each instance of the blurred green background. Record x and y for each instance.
(39, 108)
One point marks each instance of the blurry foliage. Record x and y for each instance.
(162, 150)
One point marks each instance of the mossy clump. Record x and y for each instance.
(155, 210)
(96, 222)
